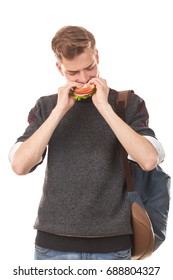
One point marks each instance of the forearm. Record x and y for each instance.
(30, 151)
(137, 146)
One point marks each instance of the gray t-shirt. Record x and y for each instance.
(84, 194)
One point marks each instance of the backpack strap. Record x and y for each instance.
(121, 103)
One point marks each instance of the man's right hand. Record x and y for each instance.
(65, 101)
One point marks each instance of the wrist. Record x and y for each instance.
(56, 114)
(104, 109)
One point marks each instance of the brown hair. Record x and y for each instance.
(71, 41)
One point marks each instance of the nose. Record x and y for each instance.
(83, 77)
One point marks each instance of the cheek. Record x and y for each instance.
(94, 73)
(70, 78)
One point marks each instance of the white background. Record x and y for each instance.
(134, 39)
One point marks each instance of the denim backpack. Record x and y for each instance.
(152, 186)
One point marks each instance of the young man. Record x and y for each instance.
(84, 212)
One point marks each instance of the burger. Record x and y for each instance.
(83, 92)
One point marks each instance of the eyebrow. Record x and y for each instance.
(73, 72)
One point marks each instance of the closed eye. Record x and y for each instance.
(89, 68)
(73, 73)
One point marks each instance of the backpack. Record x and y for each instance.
(153, 187)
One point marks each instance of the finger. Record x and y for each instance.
(75, 84)
(97, 81)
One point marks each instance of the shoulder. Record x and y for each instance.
(46, 103)
(132, 99)
(135, 105)
(42, 108)
(48, 100)
(131, 94)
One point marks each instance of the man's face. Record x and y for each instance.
(81, 68)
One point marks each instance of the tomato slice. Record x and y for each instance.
(84, 90)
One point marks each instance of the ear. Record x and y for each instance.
(59, 66)
(97, 55)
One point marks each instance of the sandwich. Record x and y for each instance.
(83, 92)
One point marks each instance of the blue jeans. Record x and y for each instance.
(47, 254)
